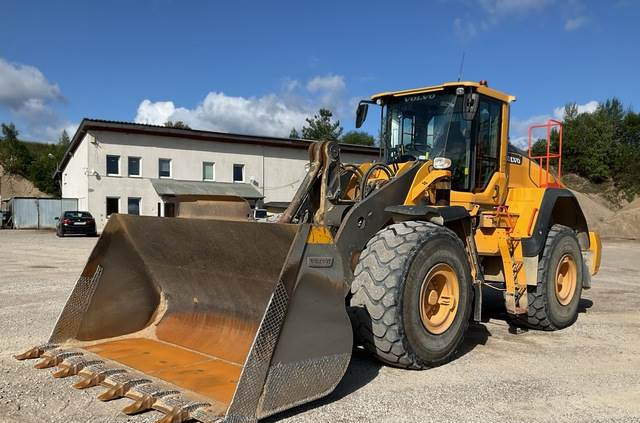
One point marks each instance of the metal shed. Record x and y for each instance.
(38, 213)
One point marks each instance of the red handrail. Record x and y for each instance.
(546, 159)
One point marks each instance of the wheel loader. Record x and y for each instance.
(233, 321)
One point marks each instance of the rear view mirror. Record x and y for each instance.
(470, 105)
(56, 218)
(361, 114)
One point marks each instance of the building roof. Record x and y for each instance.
(195, 134)
(237, 189)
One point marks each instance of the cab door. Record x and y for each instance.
(488, 182)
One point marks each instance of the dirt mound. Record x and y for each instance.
(634, 205)
(606, 193)
(606, 208)
(17, 186)
(625, 223)
(594, 211)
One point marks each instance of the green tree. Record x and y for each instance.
(357, 137)
(41, 172)
(14, 156)
(294, 133)
(64, 141)
(603, 145)
(177, 124)
(322, 127)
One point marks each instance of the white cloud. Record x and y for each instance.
(330, 87)
(29, 96)
(488, 13)
(51, 133)
(588, 107)
(331, 83)
(267, 115)
(463, 29)
(575, 23)
(21, 84)
(519, 128)
(155, 113)
(501, 8)
(271, 114)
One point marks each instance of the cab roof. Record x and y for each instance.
(480, 88)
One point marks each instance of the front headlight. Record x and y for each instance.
(441, 163)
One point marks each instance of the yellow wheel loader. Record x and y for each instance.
(226, 321)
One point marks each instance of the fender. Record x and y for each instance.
(436, 214)
(552, 211)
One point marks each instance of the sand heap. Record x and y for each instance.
(625, 223)
(594, 211)
(12, 185)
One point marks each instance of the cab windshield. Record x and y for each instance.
(424, 126)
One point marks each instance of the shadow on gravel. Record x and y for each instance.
(493, 305)
(584, 305)
(362, 370)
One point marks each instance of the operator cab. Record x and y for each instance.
(461, 122)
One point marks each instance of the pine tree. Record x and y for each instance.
(321, 127)
(294, 133)
(14, 156)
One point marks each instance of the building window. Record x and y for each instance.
(164, 168)
(113, 165)
(133, 205)
(113, 205)
(134, 166)
(208, 171)
(238, 173)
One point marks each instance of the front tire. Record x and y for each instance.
(553, 302)
(411, 295)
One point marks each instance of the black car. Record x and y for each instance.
(76, 222)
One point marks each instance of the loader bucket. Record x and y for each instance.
(203, 319)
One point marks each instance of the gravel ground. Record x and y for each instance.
(588, 372)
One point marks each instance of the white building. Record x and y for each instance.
(118, 167)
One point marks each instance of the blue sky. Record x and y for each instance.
(263, 66)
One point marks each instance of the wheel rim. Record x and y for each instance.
(439, 298)
(566, 278)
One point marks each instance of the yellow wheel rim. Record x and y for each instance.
(566, 278)
(439, 298)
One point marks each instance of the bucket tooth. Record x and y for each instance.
(55, 357)
(175, 417)
(145, 396)
(119, 384)
(72, 365)
(95, 374)
(35, 352)
(139, 406)
(178, 409)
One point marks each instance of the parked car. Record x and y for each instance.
(76, 222)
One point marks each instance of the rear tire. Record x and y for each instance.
(59, 233)
(554, 305)
(388, 302)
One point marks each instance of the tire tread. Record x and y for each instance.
(375, 292)
(537, 313)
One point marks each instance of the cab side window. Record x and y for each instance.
(488, 142)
